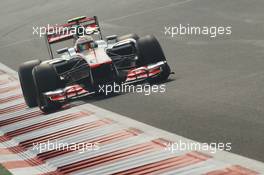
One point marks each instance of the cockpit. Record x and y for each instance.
(85, 43)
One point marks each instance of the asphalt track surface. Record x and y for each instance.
(217, 93)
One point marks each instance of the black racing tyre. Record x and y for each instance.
(128, 36)
(149, 52)
(27, 82)
(46, 79)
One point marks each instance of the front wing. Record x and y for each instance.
(134, 75)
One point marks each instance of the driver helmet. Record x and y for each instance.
(84, 43)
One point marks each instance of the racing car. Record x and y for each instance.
(89, 63)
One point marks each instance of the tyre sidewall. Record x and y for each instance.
(27, 82)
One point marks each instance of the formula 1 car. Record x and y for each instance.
(81, 69)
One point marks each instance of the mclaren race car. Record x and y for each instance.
(90, 62)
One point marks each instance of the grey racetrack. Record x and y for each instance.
(217, 91)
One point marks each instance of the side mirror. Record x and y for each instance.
(63, 50)
(71, 51)
(111, 39)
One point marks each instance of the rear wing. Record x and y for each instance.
(70, 30)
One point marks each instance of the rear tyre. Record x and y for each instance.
(27, 82)
(128, 36)
(46, 79)
(150, 52)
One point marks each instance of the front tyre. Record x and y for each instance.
(150, 52)
(27, 82)
(46, 79)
